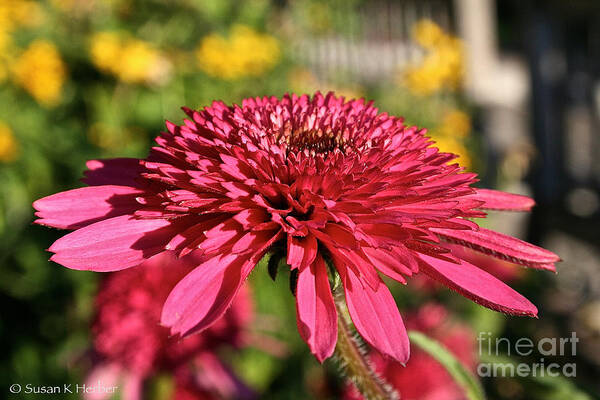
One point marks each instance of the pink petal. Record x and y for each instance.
(113, 244)
(204, 295)
(315, 310)
(360, 263)
(251, 217)
(251, 241)
(340, 235)
(295, 252)
(221, 236)
(497, 200)
(385, 262)
(81, 207)
(376, 316)
(301, 251)
(477, 285)
(501, 246)
(114, 171)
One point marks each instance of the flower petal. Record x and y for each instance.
(477, 285)
(501, 246)
(113, 171)
(389, 265)
(315, 310)
(204, 295)
(113, 244)
(301, 251)
(376, 316)
(497, 200)
(81, 207)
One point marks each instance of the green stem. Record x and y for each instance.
(354, 361)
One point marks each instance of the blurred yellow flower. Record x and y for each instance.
(428, 34)
(41, 72)
(130, 60)
(450, 135)
(442, 66)
(9, 147)
(5, 53)
(105, 50)
(448, 144)
(17, 13)
(13, 15)
(245, 53)
(455, 123)
(5, 39)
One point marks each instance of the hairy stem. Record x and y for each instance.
(353, 359)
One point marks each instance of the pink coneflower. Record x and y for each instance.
(501, 269)
(131, 347)
(341, 188)
(424, 378)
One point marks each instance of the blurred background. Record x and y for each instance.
(513, 87)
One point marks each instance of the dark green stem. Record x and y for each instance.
(353, 359)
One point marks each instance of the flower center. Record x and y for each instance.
(314, 140)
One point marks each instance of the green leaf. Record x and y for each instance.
(461, 375)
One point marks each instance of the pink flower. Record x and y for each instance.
(423, 378)
(497, 267)
(132, 347)
(340, 186)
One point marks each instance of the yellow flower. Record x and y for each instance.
(428, 34)
(455, 123)
(442, 66)
(448, 144)
(41, 72)
(130, 60)
(9, 147)
(450, 135)
(141, 62)
(245, 53)
(17, 13)
(105, 50)
(6, 49)
(13, 15)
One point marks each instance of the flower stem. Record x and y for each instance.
(354, 361)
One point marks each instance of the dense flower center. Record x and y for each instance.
(316, 141)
